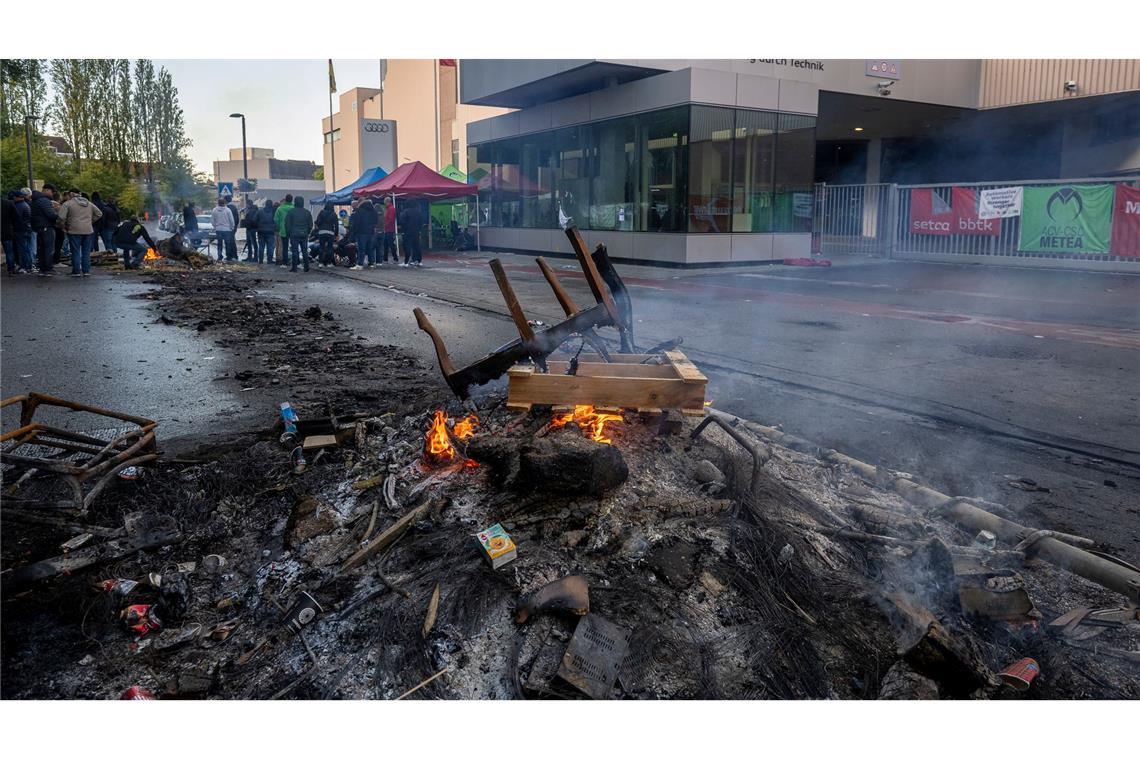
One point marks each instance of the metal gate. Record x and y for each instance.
(853, 219)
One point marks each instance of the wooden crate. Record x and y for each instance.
(624, 382)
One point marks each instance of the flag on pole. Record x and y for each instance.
(332, 77)
(447, 62)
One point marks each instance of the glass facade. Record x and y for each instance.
(683, 169)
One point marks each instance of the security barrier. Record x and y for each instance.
(1042, 222)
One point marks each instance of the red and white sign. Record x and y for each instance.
(930, 214)
(1126, 222)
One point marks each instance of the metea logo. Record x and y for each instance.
(375, 126)
(1067, 202)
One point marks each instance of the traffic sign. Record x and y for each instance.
(225, 188)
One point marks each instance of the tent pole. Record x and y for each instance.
(478, 239)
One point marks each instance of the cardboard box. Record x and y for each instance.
(497, 545)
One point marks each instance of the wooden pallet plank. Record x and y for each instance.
(685, 368)
(625, 392)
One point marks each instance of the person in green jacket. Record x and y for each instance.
(298, 225)
(282, 237)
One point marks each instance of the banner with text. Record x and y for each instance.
(999, 203)
(1126, 221)
(930, 214)
(1066, 219)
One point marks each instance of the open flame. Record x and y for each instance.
(151, 255)
(592, 422)
(438, 447)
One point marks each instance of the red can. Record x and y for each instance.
(141, 619)
(1021, 673)
(137, 693)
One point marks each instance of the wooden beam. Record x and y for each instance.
(560, 293)
(446, 366)
(512, 301)
(393, 532)
(685, 368)
(593, 279)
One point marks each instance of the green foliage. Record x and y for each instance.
(23, 92)
(103, 178)
(48, 165)
(319, 174)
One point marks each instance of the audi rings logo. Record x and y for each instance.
(375, 126)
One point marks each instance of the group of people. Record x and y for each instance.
(368, 239)
(43, 227)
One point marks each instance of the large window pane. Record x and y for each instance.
(505, 205)
(710, 169)
(536, 181)
(795, 173)
(479, 165)
(571, 179)
(753, 159)
(662, 165)
(613, 175)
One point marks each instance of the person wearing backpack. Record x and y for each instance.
(127, 238)
(326, 233)
(282, 236)
(249, 224)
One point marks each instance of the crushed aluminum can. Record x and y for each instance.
(289, 419)
(303, 612)
(1020, 674)
(118, 586)
(137, 694)
(141, 619)
(130, 473)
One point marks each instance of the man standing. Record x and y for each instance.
(110, 221)
(43, 225)
(411, 223)
(249, 223)
(23, 240)
(279, 220)
(266, 233)
(8, 225)
(126, 237)
(327, 224)
(79, 216)
(298, 225)
(100, 225)
(363, 224)
(224, 225)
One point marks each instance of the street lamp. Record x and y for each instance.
(244, 163)
(28, 143)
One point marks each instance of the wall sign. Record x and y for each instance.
(884, 68)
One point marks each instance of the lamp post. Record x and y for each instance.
(28, 143)
(244, 162)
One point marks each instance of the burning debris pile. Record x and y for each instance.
(484, 551)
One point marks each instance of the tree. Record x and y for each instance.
(48, 165)
(74, 109)
(23, 92)
(319, 174)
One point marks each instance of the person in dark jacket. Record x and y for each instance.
(363, 226)
(44, 219)
(112, 217)
(22, 240)
(298, 224)
(189, 218)
(410, 223)
(127, 238)
(249, 224)
(100, 223)
(327, 224)
(266, 233)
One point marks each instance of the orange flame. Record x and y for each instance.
(465, 428)
(151, 255)
(592, 422)
(437, 440)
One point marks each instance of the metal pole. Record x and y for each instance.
(332, 142)
(28, 143)
(244, 162)
(435, 84)
(478, 214)
(396, 226)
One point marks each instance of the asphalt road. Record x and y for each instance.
(967, 377)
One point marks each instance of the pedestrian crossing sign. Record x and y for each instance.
(225, 188)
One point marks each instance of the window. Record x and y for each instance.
(662, 166)
(505, 185)
(794, 173)
(570, 181)
(332, 136)
(710, 169)
(612, 174)
(455, 153)
(753, 157)
(536, 180)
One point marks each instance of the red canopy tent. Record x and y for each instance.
(415, 180)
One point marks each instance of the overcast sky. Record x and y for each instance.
(283, 102)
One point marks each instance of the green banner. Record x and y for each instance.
(1066, 219)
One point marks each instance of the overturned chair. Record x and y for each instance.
(85, 461)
